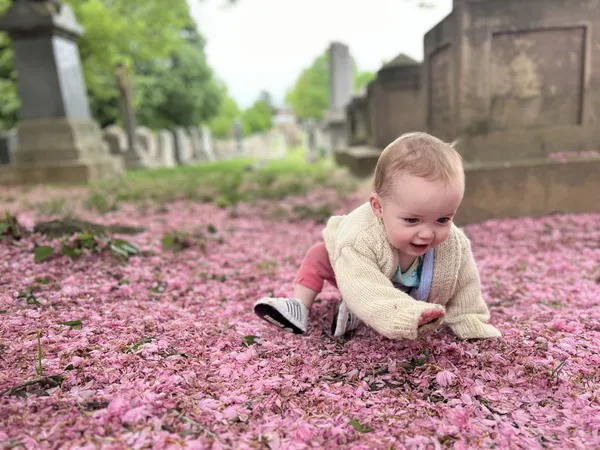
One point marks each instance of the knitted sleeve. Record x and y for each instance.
(466, 312)
(372, 297)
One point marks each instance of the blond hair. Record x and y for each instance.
(418, 154)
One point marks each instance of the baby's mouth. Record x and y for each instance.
(419, 247)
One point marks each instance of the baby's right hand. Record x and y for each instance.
(430, 315)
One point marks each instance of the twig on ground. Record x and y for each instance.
(40, 380)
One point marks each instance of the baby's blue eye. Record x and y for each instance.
(412, 220)
(444, 220)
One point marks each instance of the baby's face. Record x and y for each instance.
(419, 214)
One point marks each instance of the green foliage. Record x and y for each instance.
(310, 95)
(258, 118)
(77, 246)
(183, 91)
(222, 125)
(42, 253)
(157, 40)
(9, 105)
(10, 227)
(361, 79)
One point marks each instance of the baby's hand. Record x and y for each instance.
(430, 316)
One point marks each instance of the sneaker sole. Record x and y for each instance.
(273, 316)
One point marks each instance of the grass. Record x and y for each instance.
(224, 183)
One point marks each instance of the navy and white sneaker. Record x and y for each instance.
(344, 320)
(289, 314)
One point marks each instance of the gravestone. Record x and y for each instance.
(166, 149)
(310, 128)
(8, 146)
(184, 151)
(357, 117)
(341, 83)
(135, 157)
(395, 101)
(207, 143)
(238, 135)
(196, 141)
(116, 139)
(148, 143)
(514, 83)
(57, 139)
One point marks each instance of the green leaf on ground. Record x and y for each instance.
(123, 248)
(249, 340)
(361, 428)
(73, 324)
(42, 253)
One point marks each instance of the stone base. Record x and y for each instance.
(137, 159)
(530, 188)
(77, 172)
(60, 151)
(335, 127)
(360, 160)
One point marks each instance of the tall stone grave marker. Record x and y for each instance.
(135, 157)
(58, 141)
(340, 93)
(8, 145)
(207, 144)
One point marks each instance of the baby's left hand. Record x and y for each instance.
(430, 316)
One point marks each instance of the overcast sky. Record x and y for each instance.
(265, 44)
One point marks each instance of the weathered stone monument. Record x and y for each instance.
(310, 129)
(136, 156)
(392, 105)
(515, 82)
(358, 120)
(207, 144)
(8, 146)
(166, 149)
(57, 139)
(395, 101)
(341, 81)
(184, 152)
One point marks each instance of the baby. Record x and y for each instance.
(402, 267)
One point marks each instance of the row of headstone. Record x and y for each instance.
(165, 148)
(172, 147)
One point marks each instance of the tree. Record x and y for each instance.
(361, 79)
(222, 125)
(9, 103)
(181, 90)
(259, 117)
(310, 95)
(151, 36)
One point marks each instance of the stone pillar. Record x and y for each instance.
(58, 141)
(312, 154)
(8, 146)
(207, 143)
(341, 82)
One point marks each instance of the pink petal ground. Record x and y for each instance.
(193, 383)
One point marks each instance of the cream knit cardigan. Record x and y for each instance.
(364, 263)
